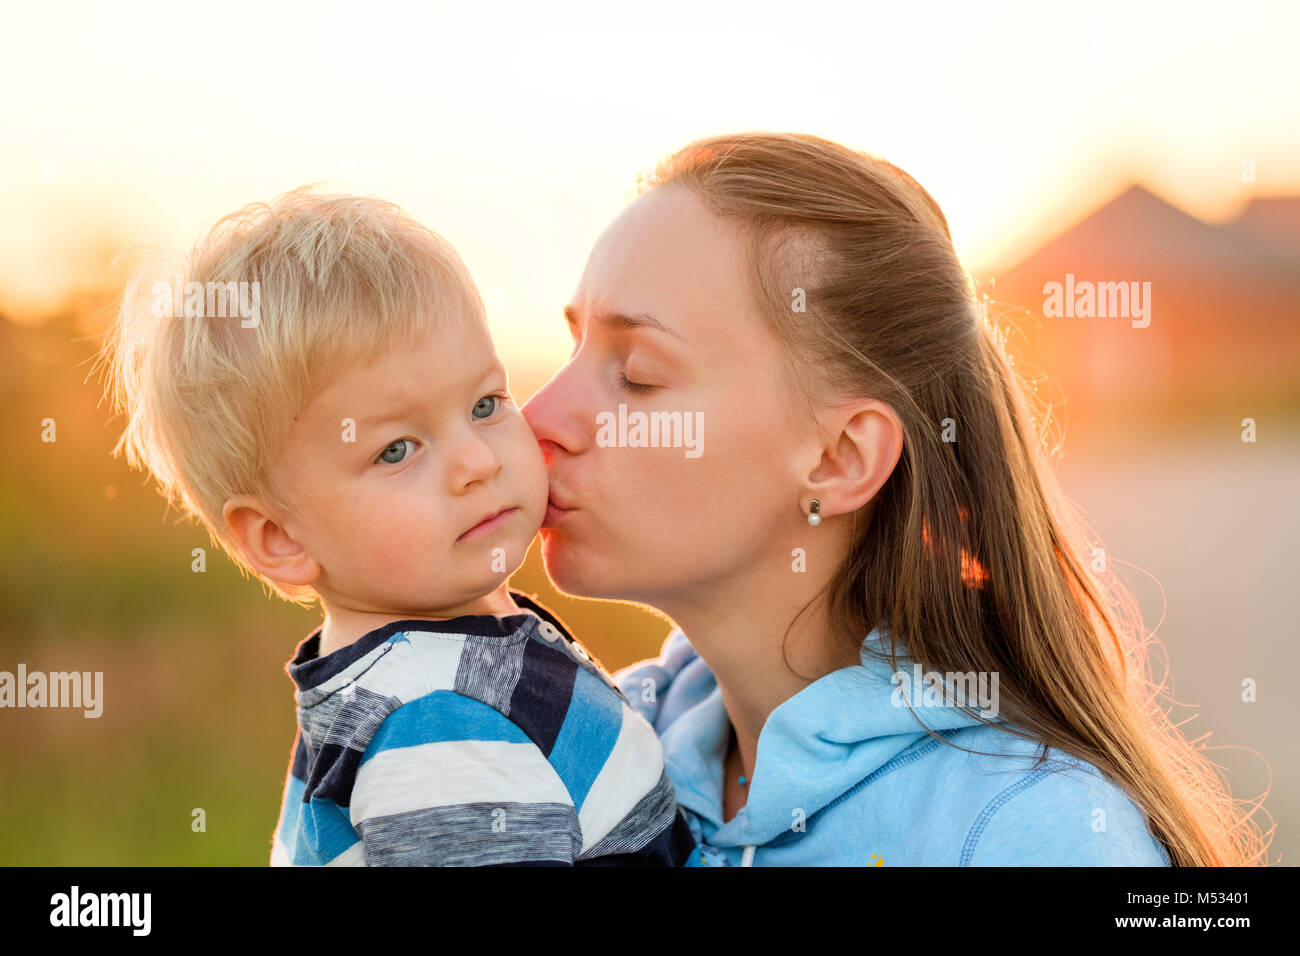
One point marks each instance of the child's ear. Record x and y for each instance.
(266, 545)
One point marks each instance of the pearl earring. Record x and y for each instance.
(814, 518)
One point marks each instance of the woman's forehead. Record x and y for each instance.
(669, 256)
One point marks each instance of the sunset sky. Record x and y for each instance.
(519, 139)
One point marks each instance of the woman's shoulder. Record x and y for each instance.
(1062, 811)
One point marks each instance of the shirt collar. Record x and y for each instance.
(308, 669)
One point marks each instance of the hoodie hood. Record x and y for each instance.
(814, 748)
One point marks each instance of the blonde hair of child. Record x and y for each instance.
(336, 280)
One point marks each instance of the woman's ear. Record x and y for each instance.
(264, 543)
(863, 442)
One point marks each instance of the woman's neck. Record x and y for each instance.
(739, 627)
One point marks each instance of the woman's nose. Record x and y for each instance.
(553, 415)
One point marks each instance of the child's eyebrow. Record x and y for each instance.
(392, 413)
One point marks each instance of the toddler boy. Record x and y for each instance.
(347, 435)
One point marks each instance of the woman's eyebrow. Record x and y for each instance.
(622, 322)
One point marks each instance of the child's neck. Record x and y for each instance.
(345, 624)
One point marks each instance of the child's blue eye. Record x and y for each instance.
(487, 405)
(398, 447)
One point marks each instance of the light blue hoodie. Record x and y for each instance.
(846, 777)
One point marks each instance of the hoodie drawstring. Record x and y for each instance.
(747, 859)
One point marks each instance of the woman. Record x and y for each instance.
(869, 507)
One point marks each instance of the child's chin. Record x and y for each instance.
(499, 557)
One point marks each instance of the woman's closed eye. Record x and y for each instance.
(634, 387)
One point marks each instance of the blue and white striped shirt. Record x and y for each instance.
(479, 740)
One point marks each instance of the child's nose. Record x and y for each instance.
(475, 460)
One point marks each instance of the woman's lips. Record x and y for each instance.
(488, 524)
(555, 513)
